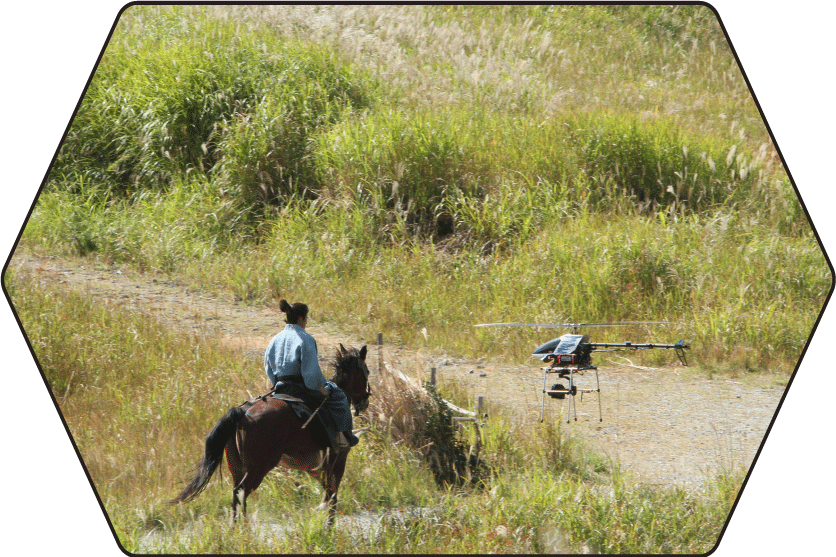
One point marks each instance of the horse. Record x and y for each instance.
(269, 433)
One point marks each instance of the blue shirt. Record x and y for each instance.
(292, 353)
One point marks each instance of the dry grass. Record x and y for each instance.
(139, 412)
(398, 406)
(437, 55)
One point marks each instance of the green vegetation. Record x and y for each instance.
(433, 167)
(139, 400)
(414, 170)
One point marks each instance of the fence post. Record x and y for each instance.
(480, 405)
(432, 376)
(379, 354)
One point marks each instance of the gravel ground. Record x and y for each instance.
(665, 426)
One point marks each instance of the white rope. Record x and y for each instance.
(631, 364)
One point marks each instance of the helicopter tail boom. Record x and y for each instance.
(679, 348)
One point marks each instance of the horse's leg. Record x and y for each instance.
(257, 449)
(249, 482)
(321, 476)
(239, 498)
(234, 462)
(236, 470)
(242, 490)
(330, 479)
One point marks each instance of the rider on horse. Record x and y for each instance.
(292, 357)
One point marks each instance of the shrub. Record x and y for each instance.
(267, 152)
(658, 164)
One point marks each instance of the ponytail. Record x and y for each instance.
(293, 312)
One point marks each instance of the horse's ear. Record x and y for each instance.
(342, 349)
(363, 352)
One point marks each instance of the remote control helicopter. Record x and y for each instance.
(570, 355)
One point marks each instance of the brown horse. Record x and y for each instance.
(269, 433)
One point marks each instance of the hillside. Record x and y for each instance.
(576, 163)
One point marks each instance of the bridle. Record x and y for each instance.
(351, 376)
(363, 402)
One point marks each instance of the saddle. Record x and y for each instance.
(304, 403)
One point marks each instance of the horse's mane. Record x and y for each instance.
(340, 365)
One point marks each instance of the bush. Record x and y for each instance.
(267, 153)
(405, 162)
(656, 163)
(186, 97)
(449, 459)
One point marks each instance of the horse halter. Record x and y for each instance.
(348, 378)
(363, 403)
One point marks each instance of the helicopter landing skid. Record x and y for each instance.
(559, 391)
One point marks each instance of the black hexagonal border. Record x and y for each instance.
(819, 465)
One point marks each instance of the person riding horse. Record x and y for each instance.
(292, 357)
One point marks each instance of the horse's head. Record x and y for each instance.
(352, 376)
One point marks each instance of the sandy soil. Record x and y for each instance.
(665, 426)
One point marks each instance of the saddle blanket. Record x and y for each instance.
(304, 404)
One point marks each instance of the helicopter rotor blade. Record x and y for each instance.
(571, 325)
(520, 325)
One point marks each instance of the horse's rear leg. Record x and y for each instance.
(239, 498)
(234, 462)
(249, 482)
(236, 470)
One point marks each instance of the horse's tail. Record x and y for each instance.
(215, 443)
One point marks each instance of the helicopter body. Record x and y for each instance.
(567, 349)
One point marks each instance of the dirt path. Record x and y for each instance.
(666, 426)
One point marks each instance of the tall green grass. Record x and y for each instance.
(271, 111)
(432, 167)
(745, 298)
(193, 93)
(139, 399)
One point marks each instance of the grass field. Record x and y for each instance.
(431, 167)
(134, 395)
